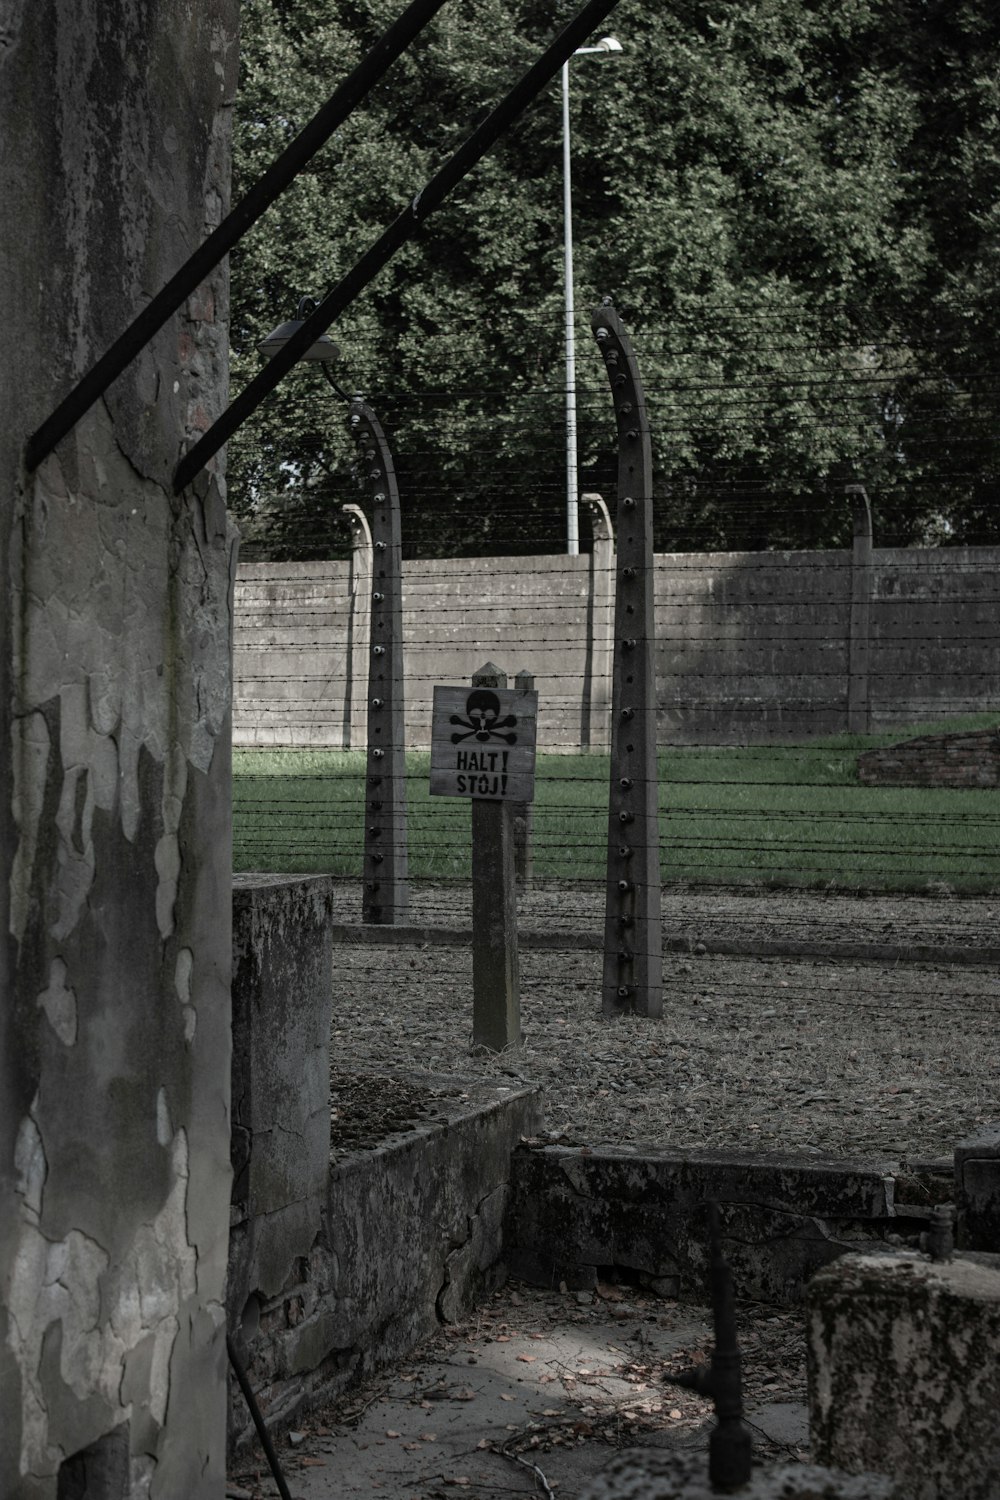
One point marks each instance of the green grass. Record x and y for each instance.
(780, 815)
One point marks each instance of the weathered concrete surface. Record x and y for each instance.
(904, 1371)
(683, 1476)
(977, 1191)
(575, 1210)
(282, 1002)
(410, 1236)
(115, 630)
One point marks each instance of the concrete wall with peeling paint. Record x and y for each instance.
(115, 636)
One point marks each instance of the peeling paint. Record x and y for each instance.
(59, 1004)
(182, 984)
(104, 1311)
(30, 1166)
(113, 700)
(114, 757)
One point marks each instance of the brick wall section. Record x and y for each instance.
(944, 760)
(751, 647)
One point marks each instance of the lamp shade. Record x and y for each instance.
(322, 348)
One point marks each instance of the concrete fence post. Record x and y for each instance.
(601, 633)
(385, 895)
(524, 815)
(633, 967)
(496, 984)
(858, 696)
(359, 589)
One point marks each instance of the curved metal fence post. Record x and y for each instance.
(385, 895)
(633, 968)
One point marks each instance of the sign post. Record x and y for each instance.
(483, 748)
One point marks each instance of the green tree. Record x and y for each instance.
(793, 205)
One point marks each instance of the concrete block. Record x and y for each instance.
(904, 1371)
(653, 1475)
(412, 1236)
(280, 1147)
(282, 1003)
(977, 1191)
(575, 1210)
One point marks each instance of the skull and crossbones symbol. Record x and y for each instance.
(482, 719)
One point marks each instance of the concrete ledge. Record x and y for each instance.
(574, 1211)
(684, 1476)
(355, 933)
(410, 1237)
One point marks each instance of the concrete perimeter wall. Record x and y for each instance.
(751, 646)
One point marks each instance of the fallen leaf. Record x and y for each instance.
(392, 1434)
(428, 1437)
(673, 1415)
(505, 1397)
(527, 1359)
(313, 1463)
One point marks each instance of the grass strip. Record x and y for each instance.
(781, 815)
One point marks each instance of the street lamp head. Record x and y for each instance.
(323, 348)
(606, 44)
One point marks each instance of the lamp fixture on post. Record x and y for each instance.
(322, 351)
(606, 44)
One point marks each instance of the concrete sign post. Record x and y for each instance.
(483, 748)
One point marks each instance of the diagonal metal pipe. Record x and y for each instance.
(403, 228)
(265, 190)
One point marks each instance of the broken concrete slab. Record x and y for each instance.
(575, 1210)
(904, 1371)
(409, 1236)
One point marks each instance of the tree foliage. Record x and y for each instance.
(793, 204)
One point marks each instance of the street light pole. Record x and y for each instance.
(606, 44)
(572, 487)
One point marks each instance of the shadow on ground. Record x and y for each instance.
(535, 1394)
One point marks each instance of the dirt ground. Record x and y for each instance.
(861, 1058)
(535, 1393)
(891, 1059)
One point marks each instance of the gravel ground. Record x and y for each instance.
(851, 1058)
